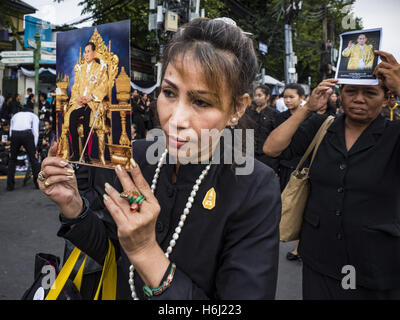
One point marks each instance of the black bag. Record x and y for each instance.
(45, 264)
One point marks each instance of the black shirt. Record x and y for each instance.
(228, 252)
(263, 123)
(352, 215)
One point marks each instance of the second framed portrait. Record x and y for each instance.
(357, 60)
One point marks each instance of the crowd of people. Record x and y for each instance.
(198, 230)
(144, 114)
(25, 137)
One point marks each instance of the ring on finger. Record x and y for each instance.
(41, 176)
(46, 183)
(131, 196)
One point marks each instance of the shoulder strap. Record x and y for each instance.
(314, 145)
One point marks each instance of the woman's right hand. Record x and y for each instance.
(60, 184)
(320, 95)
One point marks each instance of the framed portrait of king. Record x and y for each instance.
(357, 60)
(93, 95)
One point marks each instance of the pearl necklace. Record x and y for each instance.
(183, 217)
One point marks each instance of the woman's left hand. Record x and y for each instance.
(389, 72)
(136, 231)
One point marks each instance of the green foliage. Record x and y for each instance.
(106, 11)
(264, 19)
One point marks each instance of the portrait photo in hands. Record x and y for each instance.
(357, 60)
(92, 96)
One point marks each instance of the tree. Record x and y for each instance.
(264, 19)
(116, 10)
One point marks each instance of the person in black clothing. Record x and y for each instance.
(293, 96)
(272, 101)
(4, 113)
(215, 229)
(31, 101)
(143, 107)
(155, 122)
(24, 131)
(29, 91)
(262, 121)
(351, 218)
(11, 108)
(136, 117)
(4, 146)
(53, 117)
(46, 140)
(44, 107)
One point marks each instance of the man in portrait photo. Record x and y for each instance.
(89, 89)
(361, 55)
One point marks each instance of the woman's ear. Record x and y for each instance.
(386, 99)
(242, 103)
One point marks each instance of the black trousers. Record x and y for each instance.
(77, 117)
(25, 139)
(317, 286)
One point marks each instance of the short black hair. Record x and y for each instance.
(90, 43)
(29, 90)
(295, 86)
(31, 96)
(264, 89)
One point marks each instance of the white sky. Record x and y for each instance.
(385, 14)
(66, 11)
(382, 13)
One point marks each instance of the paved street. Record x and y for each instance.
(29, 223)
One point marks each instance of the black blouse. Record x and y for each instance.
(353, 212)
(228, 252)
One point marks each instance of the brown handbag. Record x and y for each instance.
(294, 196)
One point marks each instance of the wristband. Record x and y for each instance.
(165, 284)
(70, 221)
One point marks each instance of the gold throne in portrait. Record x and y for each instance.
(101, 119)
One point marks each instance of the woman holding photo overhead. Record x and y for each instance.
(183, 231)
(350, 237)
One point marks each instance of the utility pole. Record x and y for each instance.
(36, 60)
(325, 60)
(186, 10)
(291, 8)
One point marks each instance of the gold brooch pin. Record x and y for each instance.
(209, 199)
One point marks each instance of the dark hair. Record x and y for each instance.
(31, 96)
(90, 43)
(297, 87)
(224, 52)
(29, 90)
(264, 89)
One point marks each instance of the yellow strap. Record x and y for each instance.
(63, 276)
(108, 276)
(392, 111)
(79, 275)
